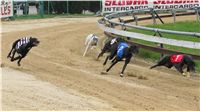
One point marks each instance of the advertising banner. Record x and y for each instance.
(129, 5)
(6, 8)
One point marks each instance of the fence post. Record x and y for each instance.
(160, 45)
(26, 8)
(100, 5)
(197, 13)
(48, 7)
(135, 19)
(122, 21)
(41, 5)
(174, 15)
(67, 7)
(153, 16)
(112, 25)
(14, 13)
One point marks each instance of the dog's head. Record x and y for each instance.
(134, 49)
(119, 39)
(34, 41)
(95, 40)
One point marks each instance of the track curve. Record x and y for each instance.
(58, 60)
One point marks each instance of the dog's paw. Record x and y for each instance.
(184, 74)
(8, 56)
(103, 72)
(97, 59)
(121, 75)
(19, 64)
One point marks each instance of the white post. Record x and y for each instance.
(174, 15)
(197, 14)
(153, 16)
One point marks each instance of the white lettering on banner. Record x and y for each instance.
(129, 5)
(6, 8)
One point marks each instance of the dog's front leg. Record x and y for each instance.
(106, 60)
(124, 67)
(100, 54)
(86, 49)
(154, 66)
(16, 58)
(179, 67)
(114, 59)
(9, 54)
(115, 62)
(160, 63)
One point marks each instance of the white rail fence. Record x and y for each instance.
(174, 42)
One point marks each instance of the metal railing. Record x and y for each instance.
(107, 24)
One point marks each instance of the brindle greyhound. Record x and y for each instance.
(22, 47)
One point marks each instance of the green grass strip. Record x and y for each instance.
(189, 26)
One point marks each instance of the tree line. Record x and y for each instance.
(72, 7)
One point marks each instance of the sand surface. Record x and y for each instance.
(55, 76)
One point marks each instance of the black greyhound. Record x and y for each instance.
(124, 51)
(109, 45)
(178, 61)
(113, 49)
(22, 47)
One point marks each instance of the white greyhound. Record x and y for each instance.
(91, 42)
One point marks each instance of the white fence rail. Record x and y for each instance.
(181, 43)
(174, 42)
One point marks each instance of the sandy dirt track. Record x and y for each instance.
(47, 97)
(57, 67)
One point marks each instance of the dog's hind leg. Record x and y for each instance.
(13, 47)
(190, 68)
(19, 61)
(13, 56)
